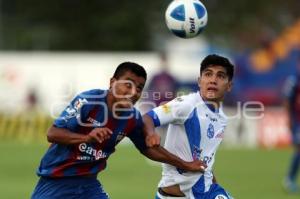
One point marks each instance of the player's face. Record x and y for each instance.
(127, 89)
(214, 83)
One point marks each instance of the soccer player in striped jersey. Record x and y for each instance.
(292, 106)
(86, 133)
(196, 125)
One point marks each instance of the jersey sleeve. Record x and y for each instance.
(137, 136)
(175, 111)
(73, 114)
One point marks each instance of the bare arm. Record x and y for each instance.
(149, 127)
(158, 153)
(152, 138)
(214, 179)
(162, 155)
(65, 136)
(287, 108)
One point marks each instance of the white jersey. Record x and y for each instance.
(195, 131)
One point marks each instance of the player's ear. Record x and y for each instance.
(229, 86)
(112, 82)
(199, 80)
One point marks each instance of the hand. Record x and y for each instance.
(196, 165)
(99, 135)
(153, 140)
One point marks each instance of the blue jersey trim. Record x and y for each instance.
(154, 117)
(193, 131)
(211, 107)
(199, 187)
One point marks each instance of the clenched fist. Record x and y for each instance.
(196, 165)
(99, 135)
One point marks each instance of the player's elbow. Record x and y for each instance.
(50, 135)
(153, 154)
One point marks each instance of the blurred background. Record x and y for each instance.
(52, 50)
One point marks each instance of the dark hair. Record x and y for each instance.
(217, 60)
(132, 67)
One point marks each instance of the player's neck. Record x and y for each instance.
(214, 103)
(110, 101)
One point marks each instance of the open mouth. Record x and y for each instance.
(213, 89)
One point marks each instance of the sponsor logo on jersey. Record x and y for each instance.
(92, 154)
(196, 153)
(210, 131)
(220, 134)
(207, 159)
(79, 103)
(211, 118)
(93, 121)
(166, 109)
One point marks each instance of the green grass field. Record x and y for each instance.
(246, 174)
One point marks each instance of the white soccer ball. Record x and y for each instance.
(186, 18)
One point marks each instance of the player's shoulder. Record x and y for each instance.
(185, 104)
(88, 99)
(187, 100)
(93, 94)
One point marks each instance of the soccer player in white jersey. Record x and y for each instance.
(196, 125)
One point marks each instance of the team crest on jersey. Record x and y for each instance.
(73, 111)
(79, 103)
(210, 131)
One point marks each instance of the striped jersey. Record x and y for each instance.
(87, 111)
(292, 93)
(195, 131)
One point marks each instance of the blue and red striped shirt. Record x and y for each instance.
(87, 111)
(292, 93)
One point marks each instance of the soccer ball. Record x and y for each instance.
(186, 18)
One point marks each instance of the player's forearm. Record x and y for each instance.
(162, 155)
(287, 107)
(64, 136)
(149, 127)
(214, 178)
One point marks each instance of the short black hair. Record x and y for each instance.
(217, 60)
(132, 67)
